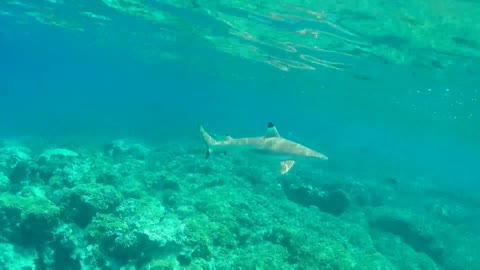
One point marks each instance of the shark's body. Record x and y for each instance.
(272, 144)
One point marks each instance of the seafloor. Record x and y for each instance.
(130, 205)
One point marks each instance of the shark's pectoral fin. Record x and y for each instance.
(286, 165)
(208, 153)
(271, 131)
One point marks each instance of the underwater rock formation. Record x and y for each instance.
(81, 203)
(162, 209)
(327, 198)
(121, 150)
(412, 230)
(27, 220)
(14, 163)
(137, 230)
(420, 241)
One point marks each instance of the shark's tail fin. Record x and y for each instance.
(209, 141)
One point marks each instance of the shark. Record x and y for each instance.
(272, 144)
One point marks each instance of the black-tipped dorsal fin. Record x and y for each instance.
(228, 137)
(271, 131)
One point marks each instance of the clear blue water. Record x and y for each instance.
(60, 83)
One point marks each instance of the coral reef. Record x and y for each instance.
(129, 206)
(27, 220)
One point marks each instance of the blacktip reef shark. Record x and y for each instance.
(271, 144)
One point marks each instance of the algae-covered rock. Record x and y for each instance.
(400, 254)
(114, 236)
(150, 220)
(412, 229)
(138, 230)
(81, 203)
(162, 264)
(263, 256)
(71, 173)
(329, 199)
(27, 219)
(60, 162)
(14, 162)
(4, 182)
(11, 156)
(58, 154)
(121, 150)
(104, 172)
(206, 235)
(66, 248)
(14, 257)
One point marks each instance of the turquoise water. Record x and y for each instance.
(102, 165)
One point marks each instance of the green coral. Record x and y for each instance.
(262, 256)
(82, 202)
(207, 236)
(14, 257)
(137, 231)
(162, 264)
(14, 162)
(28, 219)
(4, 182)
(114, 236)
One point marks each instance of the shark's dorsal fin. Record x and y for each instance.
(228, 137)
(271, 131)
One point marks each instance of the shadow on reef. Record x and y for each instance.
(416, 238)
(328, 198)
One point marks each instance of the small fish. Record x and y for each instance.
(195, 4)
(271, 144)
(392, 180)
